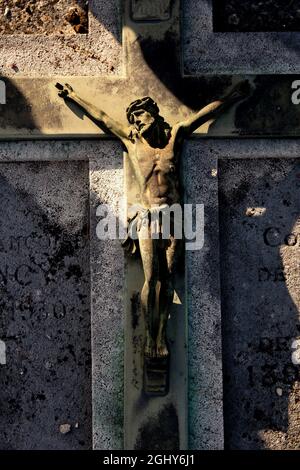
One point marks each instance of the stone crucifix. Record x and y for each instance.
(152, 85)
(153, 147)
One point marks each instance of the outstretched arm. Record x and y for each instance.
(97, 115)
(213, 110)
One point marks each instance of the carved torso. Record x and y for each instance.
(156, 170)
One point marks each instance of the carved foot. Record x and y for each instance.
(161, 348)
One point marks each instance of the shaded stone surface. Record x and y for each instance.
(160, 432)
(45, 385)
(260, 247)
(254, 15)
(107, 300)
(205, 395)
(269, 110)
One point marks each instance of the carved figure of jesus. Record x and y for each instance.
(153, 148)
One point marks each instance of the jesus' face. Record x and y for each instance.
(143, 121)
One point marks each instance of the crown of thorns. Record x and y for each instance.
(146, 103)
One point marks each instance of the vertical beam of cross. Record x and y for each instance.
(153, 421)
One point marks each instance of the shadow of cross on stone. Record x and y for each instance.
(152, 67)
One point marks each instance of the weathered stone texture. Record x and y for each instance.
(259, 232)
(98, 52)
(45, 306)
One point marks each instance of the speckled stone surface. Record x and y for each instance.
(259, 244)
(45, 306)
(251, 15)
(206, 51)
(204, 313)
(60, 392)
(97, 53)
(100, 52)
(207, 158)
(108, 312)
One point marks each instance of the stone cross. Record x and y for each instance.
(151, 41)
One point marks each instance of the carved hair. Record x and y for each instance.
(147, 104)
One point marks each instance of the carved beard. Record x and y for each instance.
(147, 130)
(158, 134)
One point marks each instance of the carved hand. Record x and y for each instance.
(65, 90)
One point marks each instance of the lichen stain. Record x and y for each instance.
(160, 432)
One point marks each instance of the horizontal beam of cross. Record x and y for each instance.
(152, 66)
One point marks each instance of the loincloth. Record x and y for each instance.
(148, 223)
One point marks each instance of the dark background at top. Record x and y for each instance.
(256, 15)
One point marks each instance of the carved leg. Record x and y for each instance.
(165, 303)
(148, 294)
(148, 305)
(168, 261)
